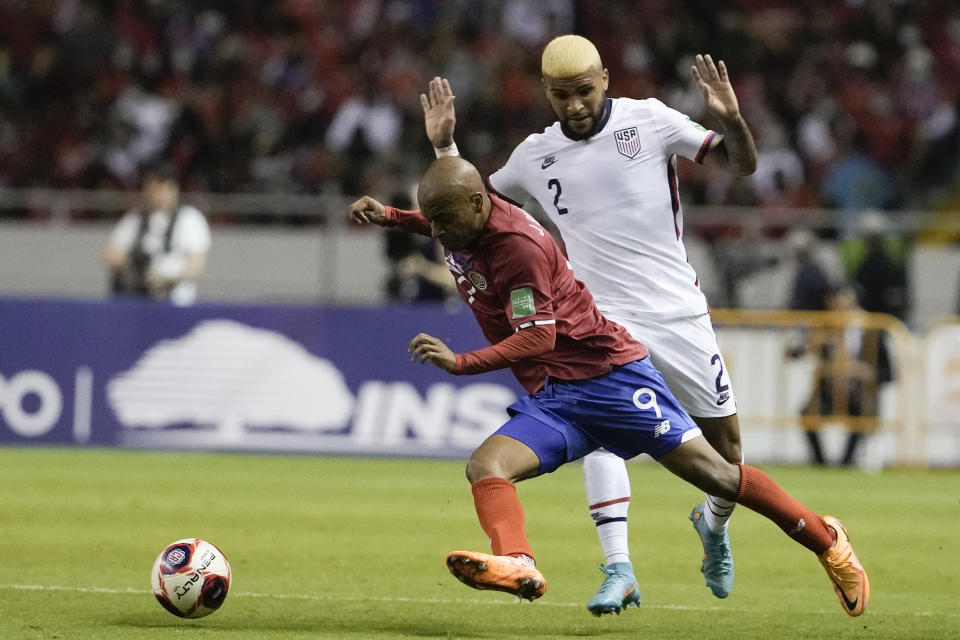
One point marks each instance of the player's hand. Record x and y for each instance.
(366, 210)
(714, 84)
(439, 117)
(425, 348)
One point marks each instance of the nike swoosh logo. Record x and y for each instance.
(846, 601)
(549, 160)
(722, 400)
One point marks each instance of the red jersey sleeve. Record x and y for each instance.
(525, 282)
(523, 345)
(411, 221)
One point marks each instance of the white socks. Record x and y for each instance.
(608, 497)
(717, 512)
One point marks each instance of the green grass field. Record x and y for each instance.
(353, 548)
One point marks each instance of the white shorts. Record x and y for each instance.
(686, 353)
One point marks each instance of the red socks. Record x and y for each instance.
(501, 516)
(758, 492)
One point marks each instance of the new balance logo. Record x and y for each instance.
(661, 428)
(549, 160)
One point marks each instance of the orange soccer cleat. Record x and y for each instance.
(846, 573)
(518, 576)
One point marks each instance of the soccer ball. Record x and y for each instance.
(191, 578)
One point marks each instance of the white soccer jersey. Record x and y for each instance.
(614, 199)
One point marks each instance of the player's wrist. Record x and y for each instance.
(734, 121)
(389, 215)
(464, 364)
(443, 151)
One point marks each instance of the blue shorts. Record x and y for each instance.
(628, 411)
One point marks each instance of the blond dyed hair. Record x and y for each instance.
(567, 56)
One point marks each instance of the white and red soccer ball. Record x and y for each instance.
(191, 578)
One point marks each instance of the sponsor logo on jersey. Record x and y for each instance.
(549, 160)
(661, 428)
(723, 398)
(628, 141)
(478, 279)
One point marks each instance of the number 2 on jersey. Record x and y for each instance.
(553, 182)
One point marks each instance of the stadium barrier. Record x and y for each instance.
(301, 248)
(337, 380)
(241, 377)
(835, 372)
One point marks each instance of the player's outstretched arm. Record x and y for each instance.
(366, 210)
(736, 152)
(439, 116)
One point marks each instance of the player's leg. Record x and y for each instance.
(711, 518)
(608, 498)
(686, 353)
(620, 411)
(492, 470)
(699, 464)
(631, 410)
(522, 448)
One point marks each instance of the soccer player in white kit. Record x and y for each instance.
(605, 173)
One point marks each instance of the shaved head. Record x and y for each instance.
(567, 56)
(448, 179)
(453, 198)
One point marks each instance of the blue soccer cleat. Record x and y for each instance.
(717, 565)
(618, 591)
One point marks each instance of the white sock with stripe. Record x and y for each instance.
(717, 512)
(608, 498)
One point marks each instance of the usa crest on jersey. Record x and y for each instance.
(628, 141)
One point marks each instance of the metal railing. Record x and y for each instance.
(808, 370)
(62, 206)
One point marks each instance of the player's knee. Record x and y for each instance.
(721, 479)
(482, 465)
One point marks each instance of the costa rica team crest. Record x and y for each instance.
(478, 279)
(628, 141)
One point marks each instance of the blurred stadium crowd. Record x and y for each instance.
(854, 103)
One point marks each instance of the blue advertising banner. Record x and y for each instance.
(255, 377)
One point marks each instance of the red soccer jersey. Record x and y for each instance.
(513, 276)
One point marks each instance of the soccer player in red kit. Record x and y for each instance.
(591, 385)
